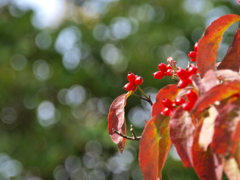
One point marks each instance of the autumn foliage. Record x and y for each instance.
(206, 133)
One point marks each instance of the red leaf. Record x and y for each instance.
(116, 120)
(206, 83)
(237, 154)
(206, 164)
(208, 44)
(231, 169)
(207, 130)
(232, 58)
(225, 127)
(170, 92)
(181, 133)
(154, 147)
(217, 93)
(227, 75)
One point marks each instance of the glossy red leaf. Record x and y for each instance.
(231, 168)
(154, 147)
(209, 43)
(170, 92)
(116, 120)
(206, 164)
(232, 58)
(225, 127)
(217, 93)
(181, 133)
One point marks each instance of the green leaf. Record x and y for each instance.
(170, 92)
(232, 58)
(181, 133)
(116, 120)
(154, 147)
(209, 43)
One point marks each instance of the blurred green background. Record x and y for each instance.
(62, 62)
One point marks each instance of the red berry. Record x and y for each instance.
(169, 72)
(187, 106)
(166, 111)
(131, 77)
(179, 101)
(129, 86)
(182, 83)
(192, 54)
(158, 75)
(193, 59)
(182, 73)
(195, 47)
(191, 95)
(138, 80)
(192, 70)
(135, 88)
(169, 66)
(162, 67)
(167, 102)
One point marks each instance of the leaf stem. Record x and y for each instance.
(148, 99)
(127, 137)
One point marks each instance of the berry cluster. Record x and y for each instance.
(134, 81)
(193, 54)
(164, 70)
(170, 105)
(180, 101)
(184, 76)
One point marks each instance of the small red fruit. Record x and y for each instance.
(169, 72)
(158, 75)
(167, 102)
(138, 80)
(131, 77)
(179, 101)
(166, 111)
(182, 73)
(195, 47)
(162, 67)
(187, 106)
(192, 54)
(129, 86)
(193, 59)
(182, 83)
(191, 95)
(192, 70)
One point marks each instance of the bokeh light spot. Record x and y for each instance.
(18, 62)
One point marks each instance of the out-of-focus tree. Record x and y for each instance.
(57, 82)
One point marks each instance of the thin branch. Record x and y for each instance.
(145, 99)
(127, 137)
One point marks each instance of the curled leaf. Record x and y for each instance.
(232, 58)
(209, 43)
(116, 120)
